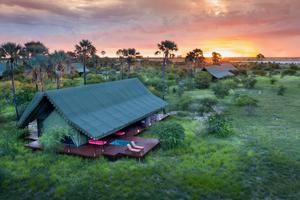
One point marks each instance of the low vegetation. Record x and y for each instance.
(217, 156)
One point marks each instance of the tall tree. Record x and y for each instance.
(121, 58)
(260, 56)
(86, 50)
(11, 51)
(216, 58)
(34, 48)
(58, 59)
(129, 55)
(166, 48)
(195, 58)
(40, 64)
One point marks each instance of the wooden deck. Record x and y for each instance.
(109, 150)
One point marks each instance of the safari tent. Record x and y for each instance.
(92, 111)
(221, 71)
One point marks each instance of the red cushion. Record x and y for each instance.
(97, 142)
(120, 133)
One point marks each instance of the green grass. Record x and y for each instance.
(260, 161)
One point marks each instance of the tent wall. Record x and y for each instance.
(55, 120)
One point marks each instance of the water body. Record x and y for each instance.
(282, 62)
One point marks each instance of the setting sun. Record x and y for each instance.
(230, 48)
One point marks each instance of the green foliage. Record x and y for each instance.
(293, 67)
(260, 72)
(51, 139)
(203, 80)
(273, 81)
(249, 82)
(230, 83)
(25, 94)
(171, 134)
(288, 72)
(183, 102)
(94, 78)
(218, 125)
(244, 100)
(281, 90)
(207, 104)
(220, 90)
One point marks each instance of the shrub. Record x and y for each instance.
(94, 78)
(260, 72)
(219, 125)
(293, 67)
(289, 72)
(273, 81)
(170, 133)
(281, 90)
(244, 100)
(51, 138)
(220, 90)
(249, 82)
(203, 80)
(207, 104)
(230, 83)
(184, 102)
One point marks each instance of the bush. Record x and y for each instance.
(230, 83)
(249, 82)
(221, 90)
(244, 100)
(207, 104)
(94, 78)
(219, 126)
(51, 139)
(260, 72)
(184, 102)
(203, 80)
(273, 81)
(281, 90)
(293, 67)
(288, 72)
(170, 133)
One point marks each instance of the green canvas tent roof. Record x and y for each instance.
(221, 71)
(79, 67)
(2, 68)
(98, 110)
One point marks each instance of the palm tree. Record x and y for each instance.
(166, 48)
(11, 51)
(196, 59)
(58, 59)
(86, 50)
(129, 55)
(120, 54)
(216, 58)
(39, 63)
(34, 48)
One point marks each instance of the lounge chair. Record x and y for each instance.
(133, 149)
(134, 145)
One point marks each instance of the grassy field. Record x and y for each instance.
(260, 161)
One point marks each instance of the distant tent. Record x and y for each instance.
(2, 69)
(221, 71)
(79, 67)
(93, 111)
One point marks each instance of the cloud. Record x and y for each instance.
(143, 23)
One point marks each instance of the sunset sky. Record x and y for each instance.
(231, 27)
